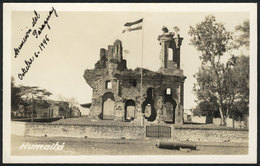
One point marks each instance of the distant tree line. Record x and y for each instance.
(25, 99)
(28, 97)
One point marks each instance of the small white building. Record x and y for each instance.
(85, 109)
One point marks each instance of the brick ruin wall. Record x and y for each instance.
(129, 92)
(111, 62)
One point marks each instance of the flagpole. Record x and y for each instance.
(129, 29)
(142, 115)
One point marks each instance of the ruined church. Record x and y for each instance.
(119, 93)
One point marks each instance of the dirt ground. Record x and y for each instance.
(90, 146)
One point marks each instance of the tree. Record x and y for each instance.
(33, 96)
(15, 95)
(241, 69)
(241, 75)
(222, 85)
(205, 108)
(28, 96)
(216, 91)
(243, 33)
(214, 80)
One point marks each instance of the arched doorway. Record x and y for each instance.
(129, 110)
(148, 106)
(108, 104)
(169, 106)
(169, 112)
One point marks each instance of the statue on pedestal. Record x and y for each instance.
(166, 35)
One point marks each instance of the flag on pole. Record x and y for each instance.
(133, 26)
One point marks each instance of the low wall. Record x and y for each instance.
(209, 135)
(182, 132)
(217, 121)
(89, 131)
(197, 119)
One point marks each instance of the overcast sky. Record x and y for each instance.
(76, 38)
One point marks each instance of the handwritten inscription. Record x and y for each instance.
(35, 18)
(29, 62)
(26, 36)
(36, 32)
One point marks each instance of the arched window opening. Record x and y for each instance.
(168, 91)
(129, 110)
(108, 85)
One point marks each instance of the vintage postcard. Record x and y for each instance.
(129, 83)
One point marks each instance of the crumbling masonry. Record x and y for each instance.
(117, 90)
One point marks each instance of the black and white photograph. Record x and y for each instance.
(129, 83)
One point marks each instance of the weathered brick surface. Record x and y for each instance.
(210, 135)
(91, 131)
(128, 132)
(126, 83)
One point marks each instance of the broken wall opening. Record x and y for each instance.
(108, 104)
(148, 106)
(129, 110)
(169, 106)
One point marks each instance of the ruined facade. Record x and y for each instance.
(117, 90)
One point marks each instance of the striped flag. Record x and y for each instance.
(133, 26)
